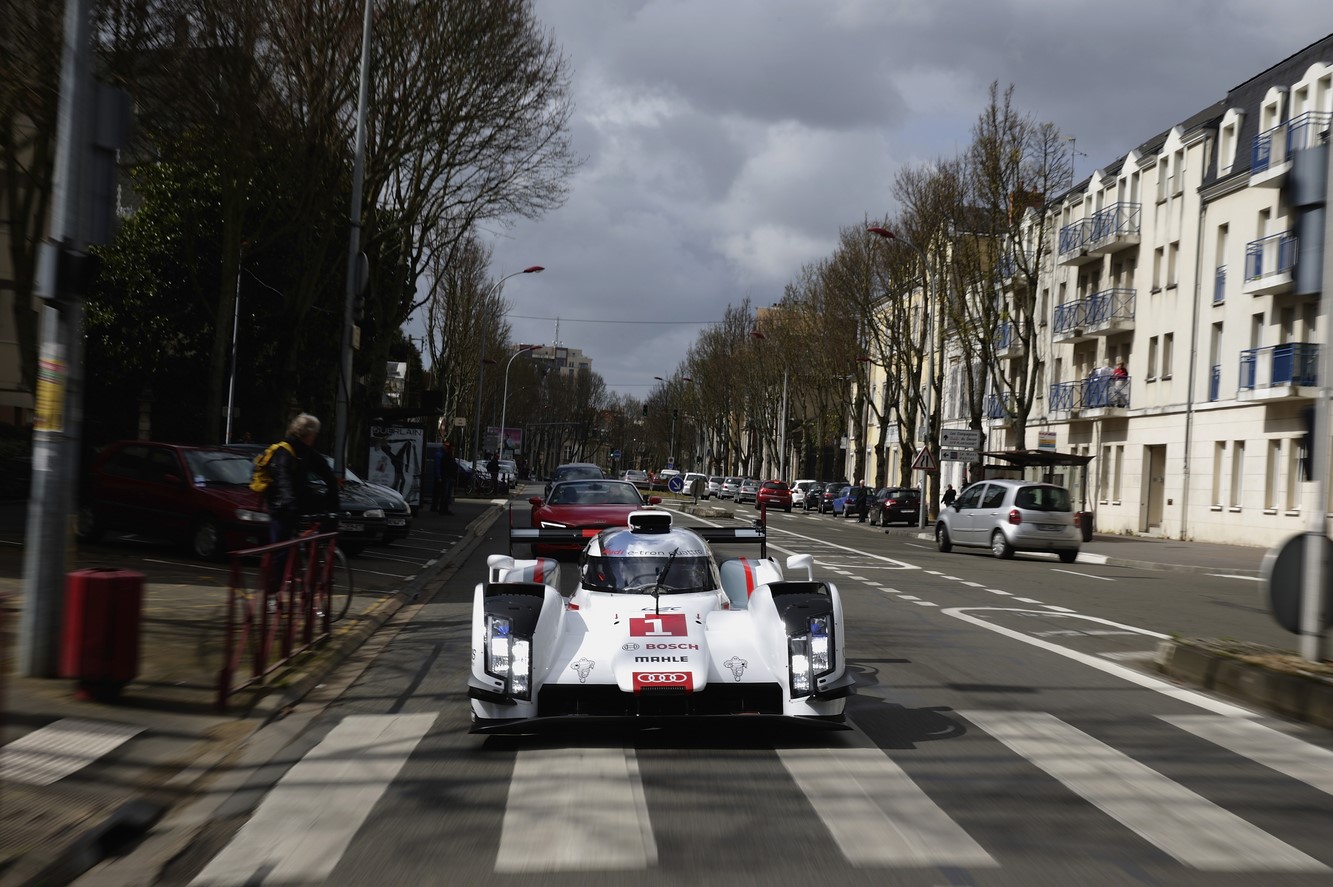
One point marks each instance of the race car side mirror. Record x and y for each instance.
(497, 562)
(802, 562)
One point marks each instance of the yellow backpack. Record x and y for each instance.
(261, 478)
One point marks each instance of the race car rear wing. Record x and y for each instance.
(756, 532)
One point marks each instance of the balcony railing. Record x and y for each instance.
(999, 406)
(1295, 363)
(1220, 285)
(1074, 239)
(1007, 341)
(1113, 308)
(1304, 131)
(1270, 260)
(1117, 224)
(1099, 392)
(1070, 316)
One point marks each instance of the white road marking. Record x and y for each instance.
(1027, 600)
(1133, 676)
(876, 813)
(1232, 576)
(908, 597)
(1056, 609)
(576, 809)
(914, 545)
(304, 825)
(66, 746)
(1130, 655)
(974, 584)
(1084, 575)
(998, 591)
(924, 603)
(1285, 754)
(1169, 816)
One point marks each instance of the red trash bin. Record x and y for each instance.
(100, 641)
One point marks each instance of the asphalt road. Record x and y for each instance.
(1003, 734)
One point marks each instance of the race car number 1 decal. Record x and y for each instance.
(660, 625)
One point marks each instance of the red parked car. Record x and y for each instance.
(588, 505)
(773, 494)
(199, 496)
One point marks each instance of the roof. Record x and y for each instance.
(1038, 458)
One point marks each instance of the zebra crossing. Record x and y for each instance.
(572, 809)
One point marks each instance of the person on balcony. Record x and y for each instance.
(1120, 385)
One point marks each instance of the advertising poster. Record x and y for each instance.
(396, 452)
(513, 440)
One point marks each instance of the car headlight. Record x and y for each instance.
(373, 512)
(550, 524)
(810, 654)
(246, 515)
(508, 657)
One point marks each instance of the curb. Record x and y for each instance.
(1304, 697)
(66, 860)
(1088, 557)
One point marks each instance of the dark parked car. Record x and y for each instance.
(813, 493)
(829, 496)
(892, 505)
(199, 496)
(397, 513)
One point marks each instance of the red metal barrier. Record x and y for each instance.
(271, 618)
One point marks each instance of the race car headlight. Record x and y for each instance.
(810, 655)
(508, 657)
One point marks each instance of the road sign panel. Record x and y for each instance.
(960, 439)
(925, 461)
(959, 456)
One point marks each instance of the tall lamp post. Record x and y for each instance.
(481, 372)
(504, 400)
(929, 276)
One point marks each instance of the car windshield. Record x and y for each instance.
(576, 472)
(1043, 499)
(640, 575)
(594, 493)
(219, 467)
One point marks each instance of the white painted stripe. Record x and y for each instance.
(1129, 674)
(1058, 609)
(876, 814)
(908, 597)
(303, 826)
(925, 603)
(997, 591)
(66, 746)
(1272, 748)
(1169, 816)
(1231, 576)
(576, 809)
(975, 584)
(1027, 600)
(1084, 575)
(953, 578)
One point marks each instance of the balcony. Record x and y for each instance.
(1109, 312)
(1278, 372)
(1270, 155)
(1007, 342)
(1092, 398)
(1069, 321)
(1013, 272)
(1220, 285)
(1073, 248)
(1270, 263)
(999, 408)
(1115, 228)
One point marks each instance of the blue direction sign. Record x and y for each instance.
(676, 484)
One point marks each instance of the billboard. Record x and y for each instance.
(513, 442)
(396, 452)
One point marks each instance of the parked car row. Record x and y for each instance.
(201, 497)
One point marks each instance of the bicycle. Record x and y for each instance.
(334, 586)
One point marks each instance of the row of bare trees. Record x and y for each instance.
(860, 313)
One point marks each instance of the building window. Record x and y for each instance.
(1295, 445)
(1168, 346)
(1152, 359)
(1157, 261)
(1173, 253)
(1104, 478)
(1219, 457)
(1178, 174)
(1237, 473)
(1119, 471)
(1272, 478)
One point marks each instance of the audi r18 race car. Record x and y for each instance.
(654, 629)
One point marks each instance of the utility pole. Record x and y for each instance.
(93, 121)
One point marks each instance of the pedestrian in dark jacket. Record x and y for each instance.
(292, 493)
(949, 496)
(493, 466)
(862, 501)
(446, 476)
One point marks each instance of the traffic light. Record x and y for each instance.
(645, 409)
(675, 414)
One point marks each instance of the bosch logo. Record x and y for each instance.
(631, 646)
(665, 677)
(670, 647)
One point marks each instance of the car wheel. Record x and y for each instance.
(787, 509)
(1068, 556)
(88, 528)
(942, 540)
(206, 539)
(1000, 546)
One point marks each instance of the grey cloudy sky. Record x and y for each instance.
(728, 141)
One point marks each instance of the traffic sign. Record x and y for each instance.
(676, 484)
(960, 439)
(960, 456)
(925, 461)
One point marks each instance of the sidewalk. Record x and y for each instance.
(167, 719)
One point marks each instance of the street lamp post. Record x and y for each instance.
(930, 278)
(504, 400)
(674, 410)
(476, 424)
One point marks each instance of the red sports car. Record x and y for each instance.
(587, 505)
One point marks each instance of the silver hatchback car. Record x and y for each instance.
(1011, 515)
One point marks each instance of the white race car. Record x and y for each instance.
(655, 629)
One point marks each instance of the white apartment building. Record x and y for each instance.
(1198, 259)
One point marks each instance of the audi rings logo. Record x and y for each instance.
(629, 646)
(664, 677)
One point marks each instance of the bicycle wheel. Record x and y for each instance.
(340, 586)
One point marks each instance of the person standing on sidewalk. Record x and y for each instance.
(446, 477)
(862, 502)
(493, 466)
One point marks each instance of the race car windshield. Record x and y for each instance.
(643, 574)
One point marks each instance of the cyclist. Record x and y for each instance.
(292, 492)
